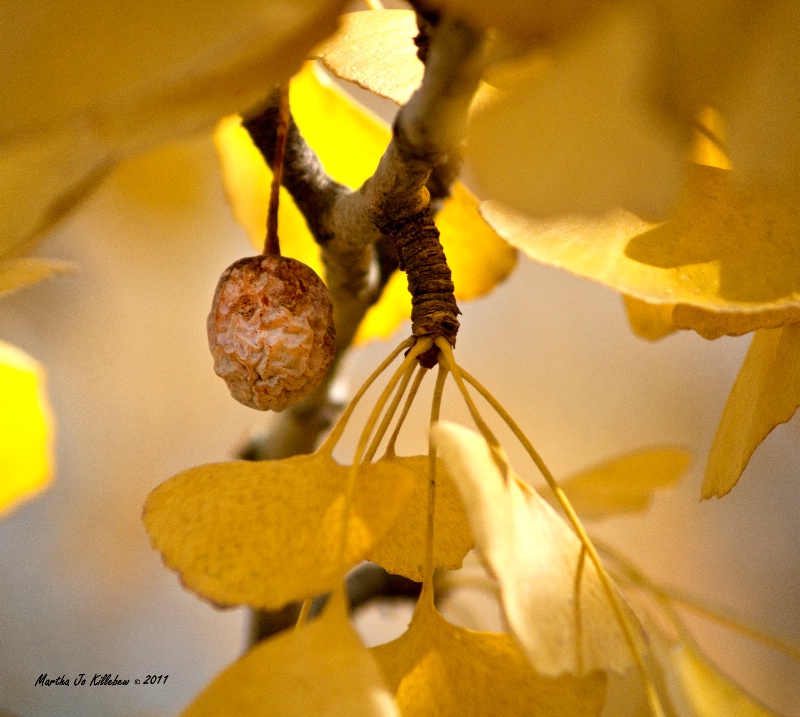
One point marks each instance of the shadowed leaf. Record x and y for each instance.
(438, 668)
(728, 258)
(402, 550)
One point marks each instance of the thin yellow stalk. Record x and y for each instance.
(436, 406)
(666, 596)
(336, 433)
(611, 594)
(387, 417)
(418, 348)
(412, 394)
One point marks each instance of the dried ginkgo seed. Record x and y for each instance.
(271, 331)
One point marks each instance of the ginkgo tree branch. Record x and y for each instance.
(358, 230)
(350, 226)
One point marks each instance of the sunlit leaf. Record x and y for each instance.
(26, 460)
(624, 485)
(375, 50)
(704, 690)
(576, 137)
(563, 620)
(728, 258)
(402, 550)
(439, 669)
(478, 258)
(320, 669)
(16, 273)
(766, 393)
(82, 89)
(269, 532)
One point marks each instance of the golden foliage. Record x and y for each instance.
(145, 73)
(317, 669)
(440, 669)
(572, 137)
(706, 691)
(270, 532)
(24, 271)
(728, 257)
(766, 393)
(538, 561)
(626, 484)
(26, 460)
(402, 549)
(375, 50)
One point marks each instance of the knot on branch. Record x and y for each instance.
(433, 305)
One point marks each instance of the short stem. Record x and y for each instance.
(272, 243)
(433, 304)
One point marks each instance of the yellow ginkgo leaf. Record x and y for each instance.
(624, 485)
(143, 73)
(319, 669)
(704, 690)
(16, 273)
(437, 668)
(26, 459)
(267, 533)
(350, 141)
(728, 258)
(375, 50)
(575, 137)
(402, 550)
(551, 596)
(766, 393)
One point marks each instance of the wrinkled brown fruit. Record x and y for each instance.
(271, 331)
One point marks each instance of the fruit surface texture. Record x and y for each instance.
(271, 331)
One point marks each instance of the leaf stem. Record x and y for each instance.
(666, 595)
(418, 348)
(436, 405)
(336, 433)
(388, 416)
(390, 446)
(611, 594)
(272, 243)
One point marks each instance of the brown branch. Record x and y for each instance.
(365, 234)
(367, 583)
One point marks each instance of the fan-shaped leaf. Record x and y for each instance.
(552, 597)
(320, 669)
(402, 549)
(766, 393)
(266, 533)
(438, 668)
